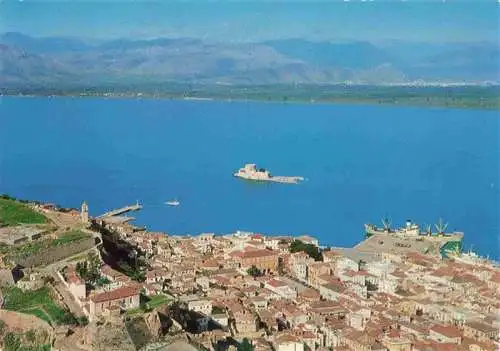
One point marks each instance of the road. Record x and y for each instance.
(69, 300)
(53, 268)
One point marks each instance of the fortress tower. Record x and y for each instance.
(84, 214)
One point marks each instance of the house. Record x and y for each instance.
(76, 285)
(203, 282)
(394, 341)
(210, 265)
(327, 308)
(309, 295)
(357, 277)
(361, 341)
(200, 305)
(332, 331)
(261, 344)
(265, 260)
(220, 319)
(153, 289)
(125, 297)
(288, 342)
(156, 276)
(192, 321)
(314, 271)
(259, 303)
(332, 291)
(272, 242)
(281, 288)
(293, 315)
(246, 322)
(331, 256)
(480, 331)
(298, 263)
(307, 239)
(116, 278)
(445, 334)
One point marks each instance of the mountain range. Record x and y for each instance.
(26, 60)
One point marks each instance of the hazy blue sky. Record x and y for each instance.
(474, 20)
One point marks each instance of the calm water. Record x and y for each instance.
(362, 163)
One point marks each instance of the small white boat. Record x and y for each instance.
(172, 203)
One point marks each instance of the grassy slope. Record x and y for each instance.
(15, 213)
(37, 303)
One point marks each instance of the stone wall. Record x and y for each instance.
(54, 254)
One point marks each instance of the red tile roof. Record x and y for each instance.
(277, 283)
(258, 253)
(448, 331)
(120, 293)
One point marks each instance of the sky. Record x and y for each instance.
(257, 20)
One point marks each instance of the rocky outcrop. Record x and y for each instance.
(20, 323)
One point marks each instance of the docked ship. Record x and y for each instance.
(448, 244)
(251, 172)
(410, 229)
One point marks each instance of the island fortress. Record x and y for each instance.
(251, 172)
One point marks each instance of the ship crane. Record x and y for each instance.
(441, 227)
(387, 224)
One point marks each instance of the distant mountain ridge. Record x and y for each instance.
(52, 60)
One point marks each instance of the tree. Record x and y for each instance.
(281, 266)
(30, 336)
(254, 271)
(82, 269)
(94, 267)
(83, 320)
(2, 327)
(90, 270)
(245, 345)
(310, 249)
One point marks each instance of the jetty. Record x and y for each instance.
(285, 179)
(136, 207)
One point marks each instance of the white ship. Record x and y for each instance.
(172, 203)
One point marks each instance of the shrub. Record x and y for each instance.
(11, 342)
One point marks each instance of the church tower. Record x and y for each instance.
(84, 214)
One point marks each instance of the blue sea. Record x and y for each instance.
(362, 163)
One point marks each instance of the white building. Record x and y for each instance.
(281, 288)
(287, 342)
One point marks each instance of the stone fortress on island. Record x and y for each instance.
(251, 172)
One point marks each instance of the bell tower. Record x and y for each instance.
(84, 214)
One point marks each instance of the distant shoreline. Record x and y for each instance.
(409, 102)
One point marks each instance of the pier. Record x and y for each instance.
(122, 210)
(285, 179)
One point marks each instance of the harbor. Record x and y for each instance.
(130, 208)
